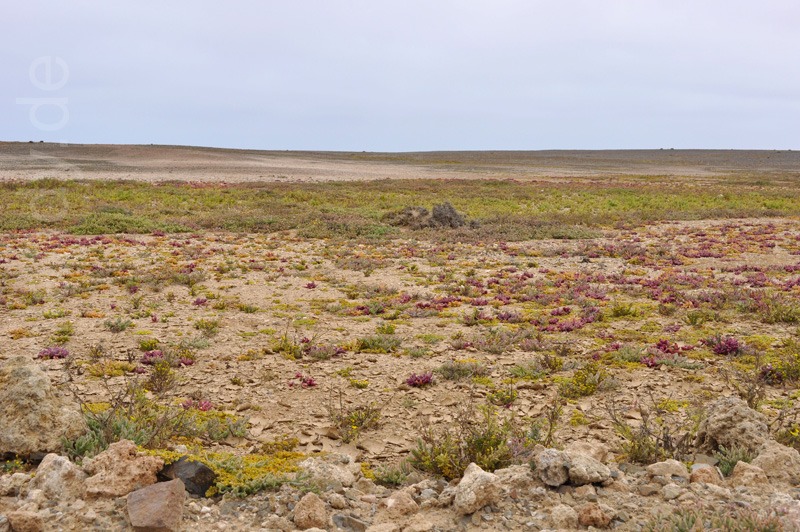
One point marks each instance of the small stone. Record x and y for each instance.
(310, 512)
(196, 476)
(59, 479)
(593, 514)
(745, 474)
(350, 523)
(564, 517)
(384, 527)
(706, 474)
(476, 489)
(421, 523)
(586, 470)
(427, 494)
(586, 492)
(669, 469)
(671, 491)
(337, 501)
(552, 467)
(25, 521)
(326, 473)
(646, 490)
(5, 526)
(399, 504)
(11, 485)
(779, 462)
(593, 449)
(157, 508)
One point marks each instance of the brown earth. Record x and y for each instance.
(19, 160)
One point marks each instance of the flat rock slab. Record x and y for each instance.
(157, 508)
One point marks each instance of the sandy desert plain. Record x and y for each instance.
(253, 308)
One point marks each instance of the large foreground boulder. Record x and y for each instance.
(731, 423)
(34, 419)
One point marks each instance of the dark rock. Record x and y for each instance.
(348, 522)
(196, 476)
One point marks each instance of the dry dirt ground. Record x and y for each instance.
(160, 163)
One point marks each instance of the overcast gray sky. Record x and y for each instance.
(404, 75)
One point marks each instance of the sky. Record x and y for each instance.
(403, 75)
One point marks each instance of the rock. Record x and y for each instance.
(25, 521)
(592, 514)
(646, 490)
(564, 517)
(552, 466)
(12, 485)
(595, 449)
(35, 418)
(419, 523)
(779, 462)
(745, 474)
(196, 476)
(5, 526)
(348, 522)
(326, 473)
(59, 479)
(337, 501)
(517, 478)
(584, 469)
(399, 504)
(119, 470)
(384, 527)
(731, 423)
(476, 489)
(157, 508)
(669, 469)
(706, 474)
(586, 491)
(671, 491)
(310, 512)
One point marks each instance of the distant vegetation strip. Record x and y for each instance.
(504, 209)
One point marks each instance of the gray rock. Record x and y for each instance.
(157, 508)
(670, 469)
(5, 526)
(196, 476)
(325, 473)
(564, 517)
(671, 491)
(731, 423)
(552, 466)
(35, 418)
(59, 479)
(348, 522)
(476, 489)
(12, 485)
(779, 462)
(584, 469)
(748, 475)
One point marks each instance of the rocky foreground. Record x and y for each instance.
(577, 487)
(582, 486)
(565, 490)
